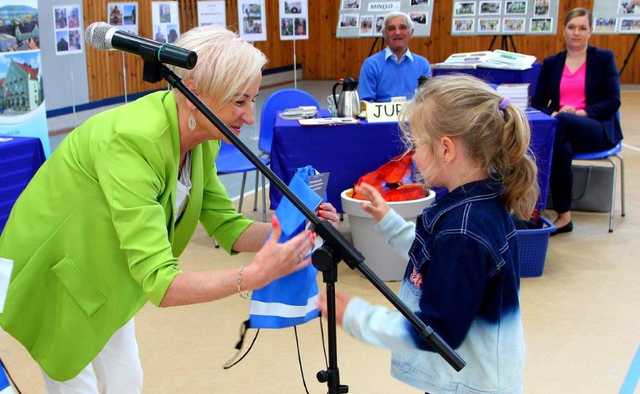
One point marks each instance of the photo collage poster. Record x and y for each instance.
(67, 25)
(252, 19)
(212, 13)
(294, 19)
(616, 16)
(165, 21)
(124, 16)
(22, 107)
(364, 18)
(504, 17)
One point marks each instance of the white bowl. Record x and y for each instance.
(379, 256)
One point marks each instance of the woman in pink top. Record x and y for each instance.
(580, 87)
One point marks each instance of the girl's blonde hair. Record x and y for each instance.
(495, 136)
(226, 66)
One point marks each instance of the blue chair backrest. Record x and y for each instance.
(278, 101)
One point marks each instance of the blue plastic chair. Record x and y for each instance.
(231, 161)
(278, 101)
(607, 155)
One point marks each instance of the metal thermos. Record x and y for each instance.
(348, 102)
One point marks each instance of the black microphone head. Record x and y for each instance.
(96, 35)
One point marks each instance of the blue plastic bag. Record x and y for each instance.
(290, 300)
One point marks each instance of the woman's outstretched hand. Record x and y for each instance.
(275, 260)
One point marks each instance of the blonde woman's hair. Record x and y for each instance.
(226, 66)
(498, 139)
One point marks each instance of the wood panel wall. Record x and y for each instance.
(323, 55)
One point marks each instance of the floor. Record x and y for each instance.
(581, 318)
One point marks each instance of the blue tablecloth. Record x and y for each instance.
(350, 151)
(20, 158)
(498, 76)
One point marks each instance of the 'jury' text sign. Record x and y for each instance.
(383, 112)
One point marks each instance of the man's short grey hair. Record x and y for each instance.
(226, 66)
(395, 14)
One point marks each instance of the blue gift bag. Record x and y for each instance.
(290, 300)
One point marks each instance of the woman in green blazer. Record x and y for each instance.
(99, 229)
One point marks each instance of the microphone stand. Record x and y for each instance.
(325, 258)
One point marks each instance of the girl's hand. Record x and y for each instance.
(376, 206)
(275, 260)
(327, 211)
(581, 112)
(342, 300)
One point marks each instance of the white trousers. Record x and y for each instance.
(115, 370)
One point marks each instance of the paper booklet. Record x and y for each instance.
(489, 59)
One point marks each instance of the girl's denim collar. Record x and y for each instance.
(473, 191)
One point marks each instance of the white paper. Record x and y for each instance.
(165, 21)
(252, 19)
(212, 13)
(6, 267)
(67, 29)
(294, 19)
(123, 15)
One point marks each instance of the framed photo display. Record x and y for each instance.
(504, 17)
(364, 18)
(616, 17)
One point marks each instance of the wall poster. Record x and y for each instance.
(294, 20)
(252, 19)
(67, 24)
(22, 108)
(212, 13)
(124, 16)
(165, 21)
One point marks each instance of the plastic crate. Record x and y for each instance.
(532, 248)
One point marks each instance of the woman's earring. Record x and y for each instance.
(191, 122)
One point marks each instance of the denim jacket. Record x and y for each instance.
(462, 279)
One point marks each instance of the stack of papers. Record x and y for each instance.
(327, 121)
(489, 59)
(302, 112)
(517, 93)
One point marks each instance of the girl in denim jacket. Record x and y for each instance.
(462, 277)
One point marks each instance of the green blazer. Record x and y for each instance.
(94, 234)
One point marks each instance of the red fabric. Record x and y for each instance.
(388, 178)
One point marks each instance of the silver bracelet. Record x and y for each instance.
(243, 294)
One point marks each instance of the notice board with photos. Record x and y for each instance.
(504, 17)
(363, 18)
(616, 16)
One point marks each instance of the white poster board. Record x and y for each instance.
(294, 19)
(124, 16)
(165, 21)
(67, 29)
(504, 17)
(212, 13)
(616, 17)
(252, 19)
(363, 18)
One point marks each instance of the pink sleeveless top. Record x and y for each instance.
(572, 87)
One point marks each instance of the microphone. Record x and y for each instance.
(103, 36)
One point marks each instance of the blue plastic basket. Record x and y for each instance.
(532, 247)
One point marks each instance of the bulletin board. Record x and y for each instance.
(363, 18)
(616, 16)
(504, 17)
